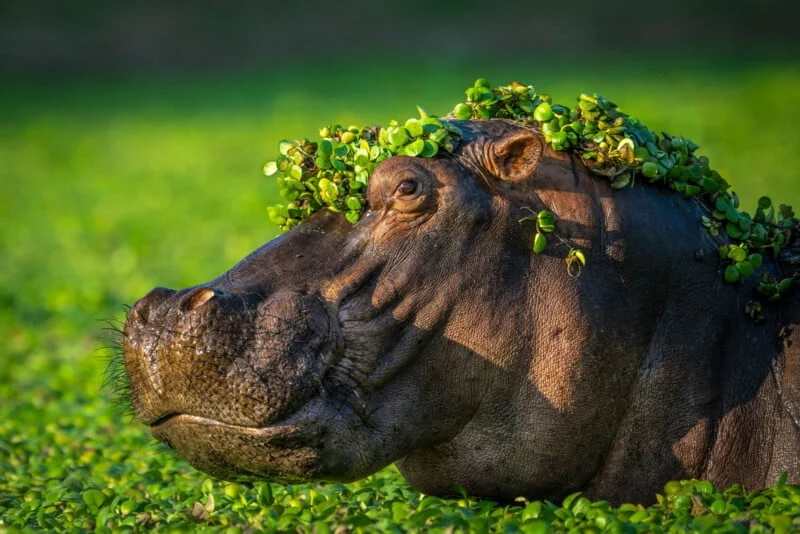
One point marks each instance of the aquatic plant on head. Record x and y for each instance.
(333, 172)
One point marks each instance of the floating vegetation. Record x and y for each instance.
(334, 171)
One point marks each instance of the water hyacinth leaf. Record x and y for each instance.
(296, 172)
(731, 274)
(545, 219)
(745, 268)
(733, 230)
(576, 255)
(616, 145)
(692, 190)
(626, 149)
(353, 203)
(94, 498)
(430, 149)
(340, 150)
(785, 284)
(276, 214)
(559, 139)
(621, 180)
(414, 148)
(756, 260)
(414, 127)
(650, 169)
(270, 168)
(737, 253)
(539, 243)
(284, 147)
(543, 112)
(328, 188)
(398, 136)
(325, 148)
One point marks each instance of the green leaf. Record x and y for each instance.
(284, 147)
(784, 286)
(559, 139)
(353, 203)
(462, 111)
(398, 136)
(745, 268)
(756, 260)
(731, 274)
(414, 148)
(733, 230)
(576, 255)
(94, 498)
(539, 242)
(649, 169)
(325, 148)
(543, 112)
(270, 168)
(764, 203)
(692, 190)
(353, 216)
(430, 149)
(737, 253)
(414, 127)
(545, 218)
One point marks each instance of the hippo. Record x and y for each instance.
(429, 335)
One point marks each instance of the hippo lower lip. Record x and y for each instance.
(165, 423)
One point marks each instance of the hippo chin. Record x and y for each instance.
(428, 334)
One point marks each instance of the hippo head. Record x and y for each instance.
(427, 334)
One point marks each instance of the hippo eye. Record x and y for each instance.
(407, 188)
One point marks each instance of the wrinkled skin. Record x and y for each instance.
(429, 335)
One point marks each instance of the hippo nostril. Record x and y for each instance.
(140, 311)
(138, 315)
(196, 298)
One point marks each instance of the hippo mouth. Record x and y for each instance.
(287, 451)
(233, 382)
(164, 425)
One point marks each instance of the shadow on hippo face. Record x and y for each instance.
(430, 335)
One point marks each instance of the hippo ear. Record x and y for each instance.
(514, 157)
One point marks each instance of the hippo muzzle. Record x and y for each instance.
(224, 378)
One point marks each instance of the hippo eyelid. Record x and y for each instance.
(408, 187)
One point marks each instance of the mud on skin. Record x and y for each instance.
(429, 335)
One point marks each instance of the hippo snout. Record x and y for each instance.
(204, 354)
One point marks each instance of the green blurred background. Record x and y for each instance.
(132, 137)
